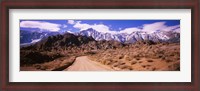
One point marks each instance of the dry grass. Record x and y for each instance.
(145, 57)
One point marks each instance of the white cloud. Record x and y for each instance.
(71, 22)
(172, 28)
(64, 26)
(98, 27)
(81, 26)
(40, 25)
(129, 30)
(150, 28)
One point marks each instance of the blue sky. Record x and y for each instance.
(100, 25)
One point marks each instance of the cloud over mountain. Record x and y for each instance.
(71, 22)
(172, 28)
(129, 30)
(148, 28)
(98, 27)
(41, 25)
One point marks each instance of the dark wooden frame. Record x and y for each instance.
(99, 4)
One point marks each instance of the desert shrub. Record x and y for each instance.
(148, 65)
(144, 66)
(127, 58)
(115, 61)
(161, 52)
(109, 63)
(172, 54)
(122, 63)
(90, 53)
(103, 62)
(115, 65)
(163, 58)
(149, 60)
(128, 68)
(120, 56)
(159, 56)
(169, 60)
(123, 66)
(137, 58)
(133, 62)
(153, 69)
(140, 62)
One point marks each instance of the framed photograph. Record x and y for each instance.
(100, 45)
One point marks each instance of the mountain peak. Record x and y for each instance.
(89, 29)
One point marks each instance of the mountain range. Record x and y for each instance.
(159, 36)
(30, 37)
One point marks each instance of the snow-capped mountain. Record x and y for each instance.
(31, 37)
(103, 36)
(159, 36)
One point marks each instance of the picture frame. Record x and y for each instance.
(89, 4)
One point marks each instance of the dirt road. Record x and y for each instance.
(84, 64)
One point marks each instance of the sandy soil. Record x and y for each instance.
(84, 64)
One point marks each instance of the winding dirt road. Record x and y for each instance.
(84, 64)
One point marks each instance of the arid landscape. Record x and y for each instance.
(141, 56)
(103, 55)
(90, 50)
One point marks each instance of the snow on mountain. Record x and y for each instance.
(159, 36)
(29, 37)
(70, 32)
(35, 41)
(32, 42)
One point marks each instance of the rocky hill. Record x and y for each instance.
(55, 46)
(68, 41)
